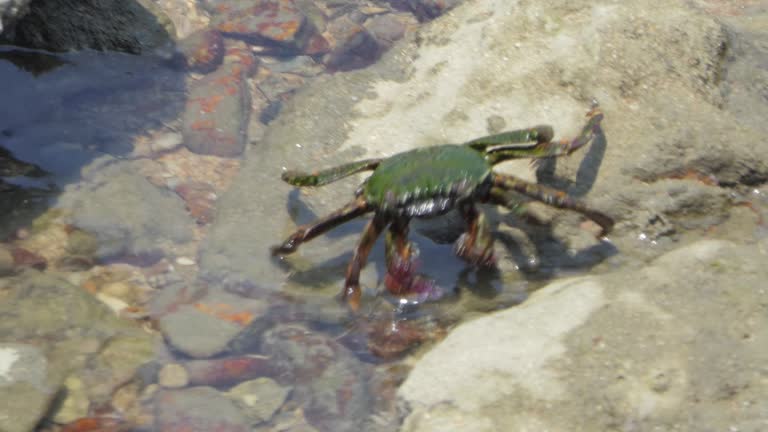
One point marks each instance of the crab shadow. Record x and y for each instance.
(586, 173)
(549, 256)
(540, 257)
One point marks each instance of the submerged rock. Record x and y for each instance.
(203, 50)
(217, 112)
(259, 398)
(196, 333)
(206, 327)
(226, 371)
(276, 24)
(355, 46)
(54, 330)
(327, 379)
(200, 199)
(126, 213)
(197, 409)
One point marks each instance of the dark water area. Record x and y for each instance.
(62, 111)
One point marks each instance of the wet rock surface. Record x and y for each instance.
(49, 338)
(667, 169)
(134, 26)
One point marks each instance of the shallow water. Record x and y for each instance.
(173, 240)
(81, 122)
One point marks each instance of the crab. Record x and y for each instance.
(430, 181)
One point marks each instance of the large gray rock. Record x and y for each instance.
(134, 26)
(680, 343)
(10, 10)
(660, 78)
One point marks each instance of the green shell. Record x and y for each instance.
(425, 173)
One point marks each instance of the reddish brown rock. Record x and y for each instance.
(217, 112)
(200, 200)
(317, 45)
(390, 339)
(355, 46)
(275, 24)
(25, 258)
(226, 371)
(240, 54)
(96, 424)
(203, 51)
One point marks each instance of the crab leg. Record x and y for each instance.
(475, 245)
(401, 278)
(543, 147)
(309, 231)
(319, 178)
(519, 208)
(351, 292)
(538, 134)
(400, 258)
(552, 197)
(397, 244)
